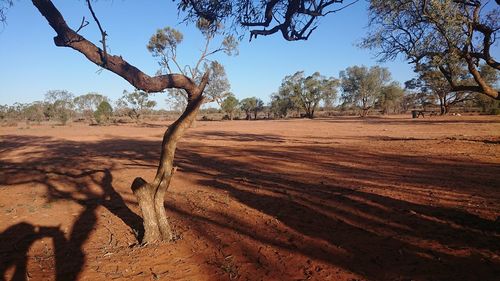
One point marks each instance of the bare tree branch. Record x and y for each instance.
(66, 37)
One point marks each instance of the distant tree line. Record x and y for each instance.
(364, 90)
(62, 106)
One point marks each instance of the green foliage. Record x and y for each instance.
(216, 90)
(218, 86)
(361, 86)
(437, 34)
(87, 104)
(137, 103)
(177, 99)
(281, 103)
(259, 106)
(163, 46)
(487, 105)
(490, 75)
(305, 92)
(229, 105)
(103, 112)
(34, 112)
(248, 105)
(390, 98)
(59, 105)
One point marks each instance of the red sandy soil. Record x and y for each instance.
(335, 199)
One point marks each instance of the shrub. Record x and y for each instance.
(103, 113)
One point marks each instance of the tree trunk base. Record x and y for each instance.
(150, 200)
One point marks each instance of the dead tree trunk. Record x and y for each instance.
(150, 196)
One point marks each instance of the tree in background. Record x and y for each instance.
(87, 104)
(307, 92)
(438, 33)
(248, 105)
(137, 102)
(281, 103)
(417, 95)
(259, 106)
(229, 105)
(437, 84)
(361, 86)
(3, 111)
(390, 99)
(12, 112)
(103, 113)
(60, 105)
(34, 112)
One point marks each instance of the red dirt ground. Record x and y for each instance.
(334, 199)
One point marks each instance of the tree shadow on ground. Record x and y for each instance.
(63, 168)
(235, 136)
(380, 215)
(357, 208)
(383, 121)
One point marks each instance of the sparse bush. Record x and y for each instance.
(103, 113)
(495, 111)
(34, 112)
(59, 105)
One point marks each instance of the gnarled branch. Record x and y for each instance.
(67, 37)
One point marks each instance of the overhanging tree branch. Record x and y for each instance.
(67, 37)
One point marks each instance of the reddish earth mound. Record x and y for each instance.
(334, 199)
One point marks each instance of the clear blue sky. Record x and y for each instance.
(31, 64)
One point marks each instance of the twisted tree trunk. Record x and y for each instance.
(150, 196)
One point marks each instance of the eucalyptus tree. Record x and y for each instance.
(229, 105)
(390, 98)
(88, 103)
(486, 104)
(259, 106)
(437, 85)
(440, 33)
(248, 106)
(60, 105)
(281, 104)
(137, 102)
(361, 86)
(308, 92)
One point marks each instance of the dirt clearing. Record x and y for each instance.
(334, 199)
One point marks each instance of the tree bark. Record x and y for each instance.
(441, 105)
(150, 196)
